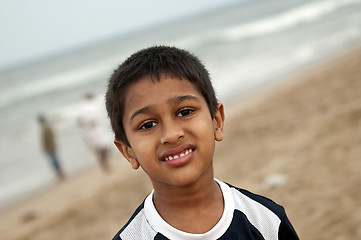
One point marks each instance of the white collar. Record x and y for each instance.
(161, 226)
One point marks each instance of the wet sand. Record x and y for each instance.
(297, 142)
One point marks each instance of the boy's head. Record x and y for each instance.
(154, 62)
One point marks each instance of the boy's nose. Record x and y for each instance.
(172, 132)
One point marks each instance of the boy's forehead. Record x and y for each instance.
(149, 90)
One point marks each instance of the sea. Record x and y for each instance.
(246, 45)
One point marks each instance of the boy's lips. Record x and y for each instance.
(179, 155)
(176, 156)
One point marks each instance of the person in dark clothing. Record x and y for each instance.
(49, 146)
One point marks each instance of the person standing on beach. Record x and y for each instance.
(93, 133)
(49, 146)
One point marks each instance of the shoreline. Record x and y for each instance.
(288, 80)
(305, 128)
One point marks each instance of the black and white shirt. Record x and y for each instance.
(245, 216)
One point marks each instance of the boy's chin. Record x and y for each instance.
(185, 179)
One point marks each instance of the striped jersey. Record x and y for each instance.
(245, 216)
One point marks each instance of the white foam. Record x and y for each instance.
(61, 81)
(288, 19)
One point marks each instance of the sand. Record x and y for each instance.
(297, 142)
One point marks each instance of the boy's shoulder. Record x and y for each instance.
(138, 227)
(266, 216)
(257, 200)
(133, 221)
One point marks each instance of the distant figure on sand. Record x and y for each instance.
(49, 146)
(93, 133)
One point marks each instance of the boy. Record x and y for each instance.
(166, 119)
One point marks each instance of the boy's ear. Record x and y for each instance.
(127, 152)
(218, 122)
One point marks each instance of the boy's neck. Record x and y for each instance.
(195, 208)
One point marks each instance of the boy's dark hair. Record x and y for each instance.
(153, 62)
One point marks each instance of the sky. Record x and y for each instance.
(31, 29)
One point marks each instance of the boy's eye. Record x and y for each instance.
(147, 125)
(184, 112)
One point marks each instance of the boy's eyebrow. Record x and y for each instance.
(182, 98)
(177, 99)
(142, 110)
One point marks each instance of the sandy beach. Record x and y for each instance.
(297, 142)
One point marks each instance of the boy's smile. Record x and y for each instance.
(178, 156)
(170, 130)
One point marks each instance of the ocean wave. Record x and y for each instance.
(57, 82)
(288, 19)
(302, 14)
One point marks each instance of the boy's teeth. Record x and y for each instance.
(182, 154)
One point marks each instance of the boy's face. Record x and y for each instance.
(170, 130)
